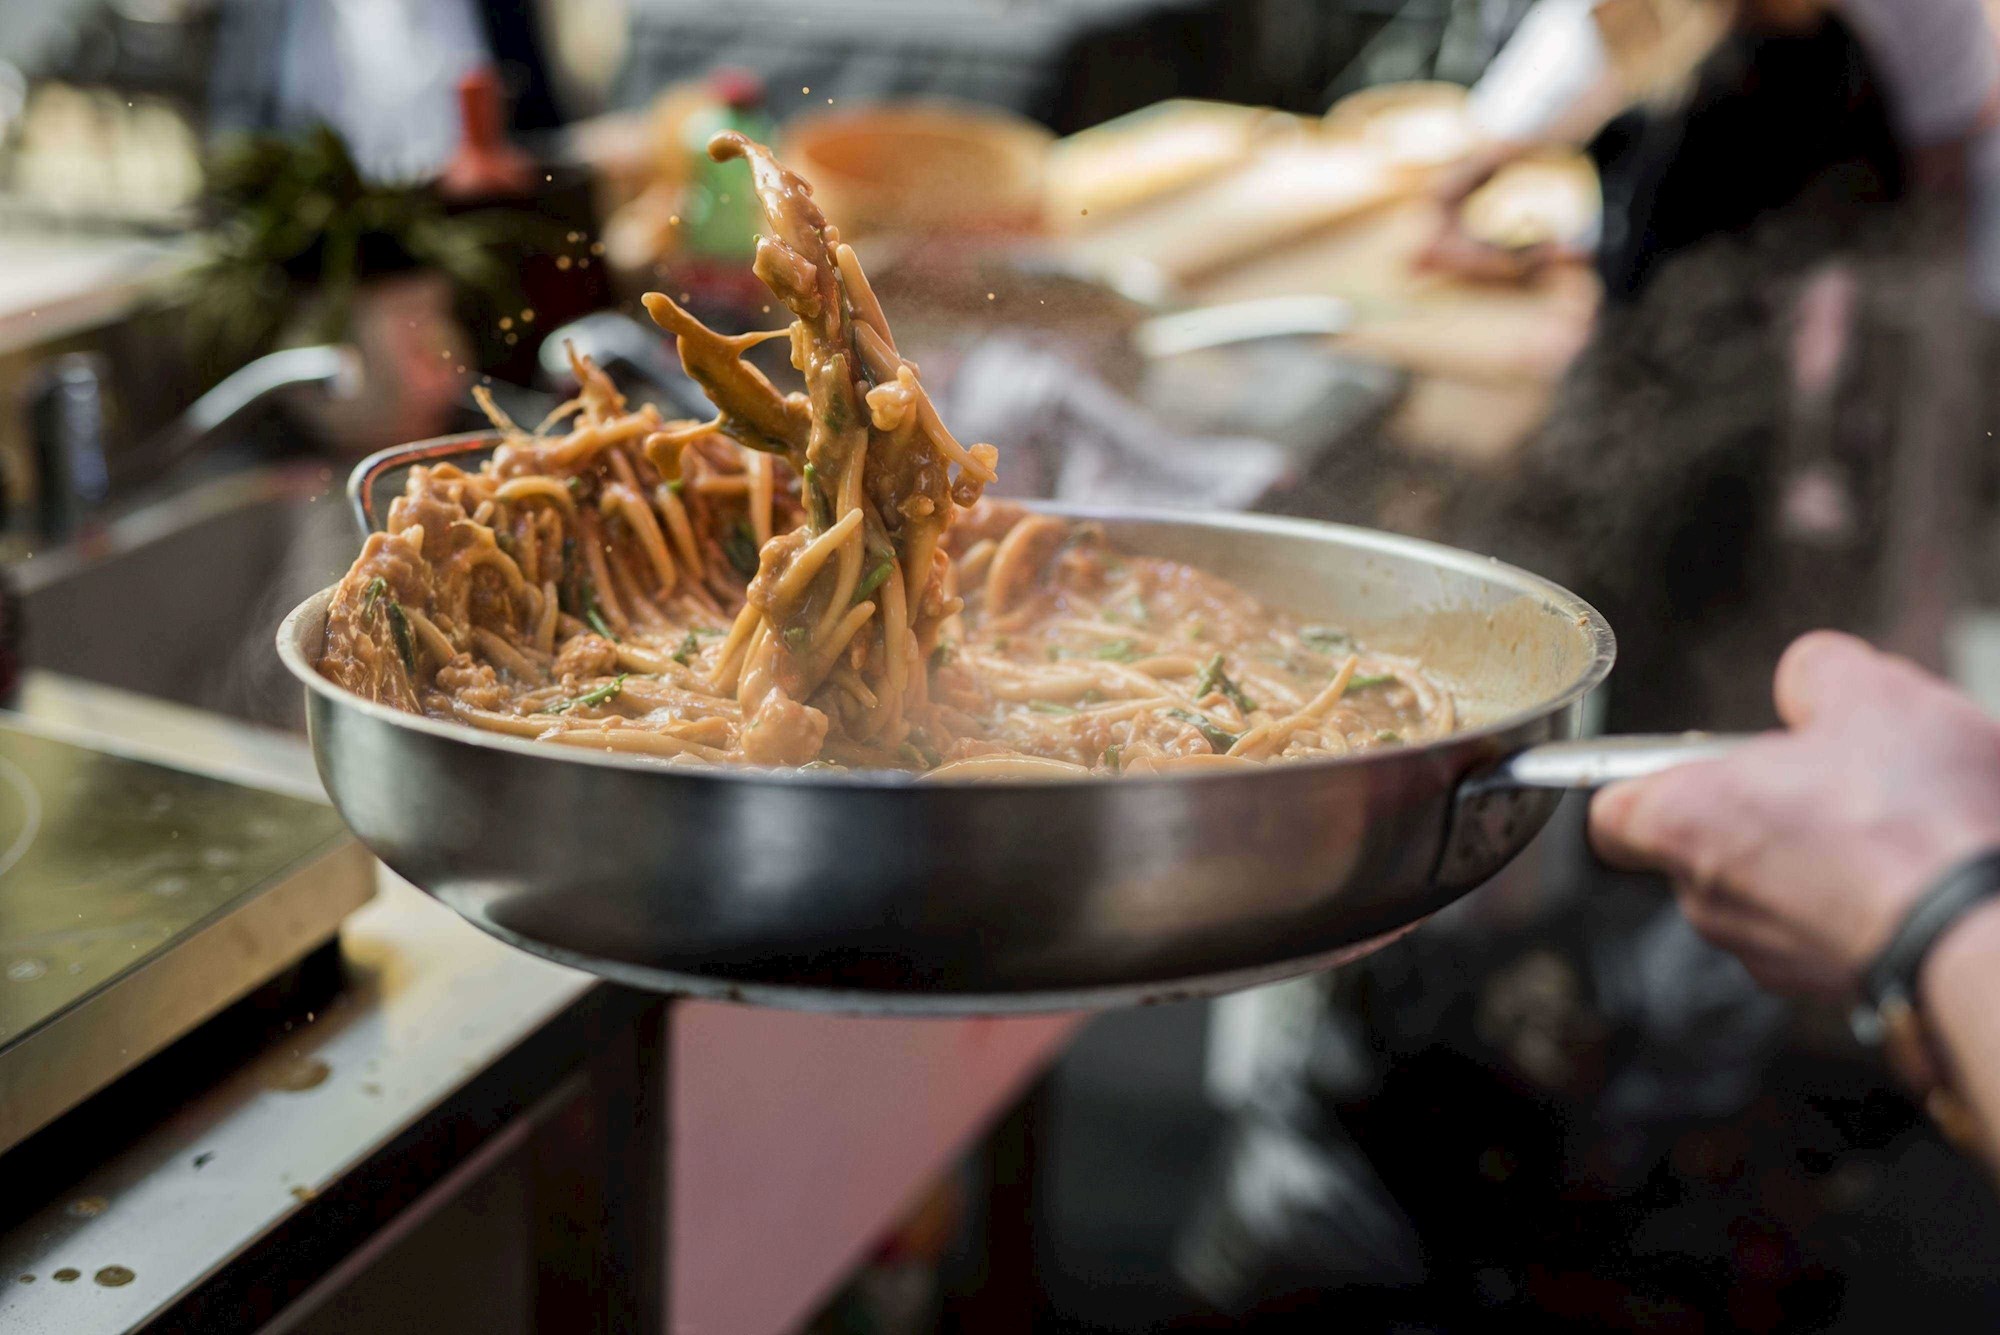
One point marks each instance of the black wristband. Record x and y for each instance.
(1891, 976)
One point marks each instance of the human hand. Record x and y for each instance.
(1455, 251)
(1801, 851)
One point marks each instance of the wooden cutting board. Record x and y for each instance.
(1285, 190)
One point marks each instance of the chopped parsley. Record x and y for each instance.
(399, 626)
(1213, 678)
(740, 546)
(874, 579)
(1217, 737)
(595, 696)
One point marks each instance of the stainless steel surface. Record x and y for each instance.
(77, 466)
(872, 891)
(136, 901)
(428, 1005)
(1597, 761)
(1241, 322)
(219, 564)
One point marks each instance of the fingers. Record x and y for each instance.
(1690, 820)
(1660, 823)
(1825, 670)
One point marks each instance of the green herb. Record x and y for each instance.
(1001, 642)
(1093, 696)
(1213, 678)
(689, 647)
(919, 752)
(1196, 629)
(796, 639)
(301, 232)
(573, 483)
(1049, 707)
(376, 588)
(1118, 651)
(815, 503)
(595, 696)
(1114, 756)
(1056, 653)
(1324, 637)
(1388, 735)
(1217, 738)
(677, 485)
(399, 626)
(943, 654)
(1362, 683)
(593, 616)
(740, 546)
(873, 580)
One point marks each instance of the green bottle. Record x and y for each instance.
(720, 212)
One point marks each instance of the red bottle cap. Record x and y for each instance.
(738, 89)
(486, 164)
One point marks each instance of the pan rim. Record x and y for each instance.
(1602, 641)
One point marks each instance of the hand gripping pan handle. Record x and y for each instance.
(1498, 809)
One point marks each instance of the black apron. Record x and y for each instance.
(1770, 118)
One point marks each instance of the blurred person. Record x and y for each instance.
(1557, 1101)
(1857, 850)
(1885, 95)
(384, 74)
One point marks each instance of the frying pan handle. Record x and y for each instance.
(361, 483)
(1498, 809)
(1593, 762)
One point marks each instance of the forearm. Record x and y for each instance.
(1553, 83)
(1961, 998)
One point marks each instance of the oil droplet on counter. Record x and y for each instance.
(69, 1274)
(115, 1277)
(89, 1207)
(27, 1279)
(302, 1194)
(300, 1075)
(26, 971)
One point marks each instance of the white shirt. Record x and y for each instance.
(1938, 62)
(385, 74)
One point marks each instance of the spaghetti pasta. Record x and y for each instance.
(813, 579)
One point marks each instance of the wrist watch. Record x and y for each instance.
(1889, 1017)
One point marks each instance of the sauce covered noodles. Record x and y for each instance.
(812, 579)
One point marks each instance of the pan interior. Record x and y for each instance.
(1502, 641)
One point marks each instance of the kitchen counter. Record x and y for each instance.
(673, 1144)
(51, 288)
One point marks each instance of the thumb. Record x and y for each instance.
(1826, 672)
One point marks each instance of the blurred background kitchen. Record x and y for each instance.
(1683, 302)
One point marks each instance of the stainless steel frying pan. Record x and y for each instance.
(877, 892)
